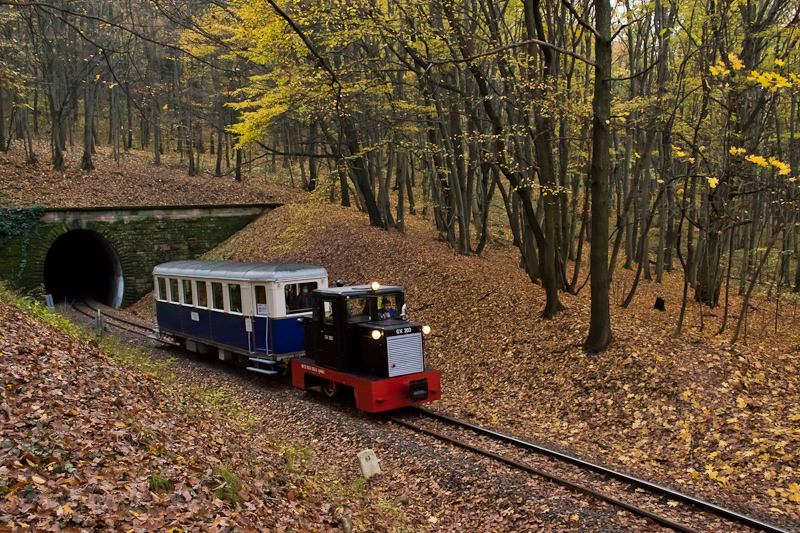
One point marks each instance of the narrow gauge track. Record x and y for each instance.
(624, 482)
(456, 432)
(113, 319)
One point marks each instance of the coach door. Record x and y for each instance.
(261, 319)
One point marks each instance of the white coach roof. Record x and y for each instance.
(239, 271)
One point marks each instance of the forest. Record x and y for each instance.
(650, 136)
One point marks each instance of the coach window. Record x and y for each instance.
(188, 299)
(261, 300)
(173, 290)
(298, 297)
(235, 298)
(202, 294)
(162, 289)
(216, 296)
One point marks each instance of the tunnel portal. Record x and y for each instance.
(82, 264)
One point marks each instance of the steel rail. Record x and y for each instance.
(124, 321)
(666, 522)
(586, 465)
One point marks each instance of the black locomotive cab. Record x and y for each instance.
(363, 329)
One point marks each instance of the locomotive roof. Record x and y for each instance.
(360, 290)
(240, 271)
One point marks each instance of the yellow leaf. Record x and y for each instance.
(573, 517)
(165, 106)
(736, 63)
(38, 480)
(741, 403)
(120, 424)
(771, 492)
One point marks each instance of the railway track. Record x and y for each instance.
(662, 505)
(112, 318)
(657, 503)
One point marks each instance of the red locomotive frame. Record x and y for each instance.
(372, 395)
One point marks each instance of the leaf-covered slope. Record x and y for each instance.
(87, 443)
(694, 412)
(133, 181)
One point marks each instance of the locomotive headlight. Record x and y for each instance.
(375, 285)
(376, 334)
(426, 329)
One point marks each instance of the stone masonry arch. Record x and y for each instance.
(119, 246)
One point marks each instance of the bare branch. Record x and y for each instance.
(580, 20)
(512, 46)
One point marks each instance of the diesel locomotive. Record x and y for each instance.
(284, 317)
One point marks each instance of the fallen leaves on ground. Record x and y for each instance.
(88, 443)
(132, 181)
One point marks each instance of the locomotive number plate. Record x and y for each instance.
(195, 316)
(400, 331)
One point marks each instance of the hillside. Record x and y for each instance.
(90, 443)
(717, 420)
(131, 181)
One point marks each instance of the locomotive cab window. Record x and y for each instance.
(188, 299)
(217, 302)
(173, 290)
(298, 297)
(235, 298)
(261, 300)
(162, 289)
(323, 311)
(358, 310)
(202, 294)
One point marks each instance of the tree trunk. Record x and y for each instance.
(55, 131)
(2, 122)
(238, 173)
(600, 321)
(88, 114)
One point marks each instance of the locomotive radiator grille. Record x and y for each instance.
(405, 354)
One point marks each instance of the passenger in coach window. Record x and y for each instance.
(304, 300)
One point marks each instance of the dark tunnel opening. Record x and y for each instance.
(82, 264)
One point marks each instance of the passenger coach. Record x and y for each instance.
(237, 308)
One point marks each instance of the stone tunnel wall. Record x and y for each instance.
(141, 237)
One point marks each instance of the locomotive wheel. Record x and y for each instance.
(330, 388)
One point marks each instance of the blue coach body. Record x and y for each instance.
(244, 309)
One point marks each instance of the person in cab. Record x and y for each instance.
(386, 312)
